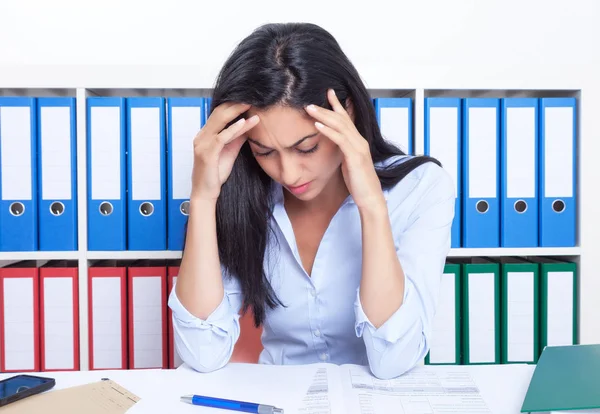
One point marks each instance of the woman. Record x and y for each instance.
(302, 213)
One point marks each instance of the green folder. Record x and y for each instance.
(565, 378)
(558, 302)
(481, 311)
(519, 310)
(445, 348)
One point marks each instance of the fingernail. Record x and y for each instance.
(241, 121)
(319, 125)
(310, 107)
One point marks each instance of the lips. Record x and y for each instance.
(298, 186)
(299, 189)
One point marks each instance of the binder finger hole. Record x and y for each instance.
(482, 206)
(520, 206)
(17, 209)
(146, 209)
(57, 208)
(106, 208)
(185, 208)
(558, 206)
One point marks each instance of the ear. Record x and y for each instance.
(350, 108)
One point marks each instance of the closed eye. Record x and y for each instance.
(303, 152)
(263, 154)
(266, 151)
(308, 151)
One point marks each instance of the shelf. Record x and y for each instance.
(133, 255)
(37, 255)
(460, 252)
(517, 251)
(168, 254)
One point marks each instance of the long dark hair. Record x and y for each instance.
(293, 65)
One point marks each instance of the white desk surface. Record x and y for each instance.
(502, 386)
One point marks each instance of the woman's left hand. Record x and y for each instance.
(357, 166)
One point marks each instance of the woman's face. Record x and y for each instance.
(291, 150)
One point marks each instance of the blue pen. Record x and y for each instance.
(245, 407)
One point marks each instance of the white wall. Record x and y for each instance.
(391, 42)
(452, 44)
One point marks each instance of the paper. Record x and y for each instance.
(15, 153)
(102, 397)
(483, 136)
(19, 324)
(520, 311)
(55, 141)
(105, 133)
(316, 389)
(482, 318)
(281, 386)
(58, 323)
(185, 125)
(147, 322)
(323, 395)
(145, 153)
(520, 152)
(443, 140)
(106, 321)
(420, 391)
(395, 126)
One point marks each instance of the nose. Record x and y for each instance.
(290, 172)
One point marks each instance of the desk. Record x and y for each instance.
(502, 386)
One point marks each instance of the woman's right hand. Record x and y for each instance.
(216, 148)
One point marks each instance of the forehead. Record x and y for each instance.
(281, 125)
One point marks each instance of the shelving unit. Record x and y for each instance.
(174, 255)
(589, 285)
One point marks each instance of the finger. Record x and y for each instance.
(222, 115)
(335, 103)
(235, 130)
(325, 116)
(339, 139)
(234, 146)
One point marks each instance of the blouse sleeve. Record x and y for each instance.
(422, 243)
(207, 344)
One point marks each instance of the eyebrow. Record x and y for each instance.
(300, 141)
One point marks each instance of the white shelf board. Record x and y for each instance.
(133, 254)
(38, 255)
(516, 251)
(460, 252)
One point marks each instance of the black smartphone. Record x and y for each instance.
(22, 386)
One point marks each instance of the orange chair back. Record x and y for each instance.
(249, 346)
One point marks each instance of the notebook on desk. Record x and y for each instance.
(566, 379)
(101, 397)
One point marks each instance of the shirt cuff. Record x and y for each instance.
(219, 321)
(399, 324)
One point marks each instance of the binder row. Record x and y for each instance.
(130, 324)
(490, 311)
(38, 190)
(127, 310)
(140, 159)
(512, 159)
(503, 310)
(126, 138)
(39, 317)
(129, 321)
(513, 163)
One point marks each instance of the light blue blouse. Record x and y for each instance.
(323, 320)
